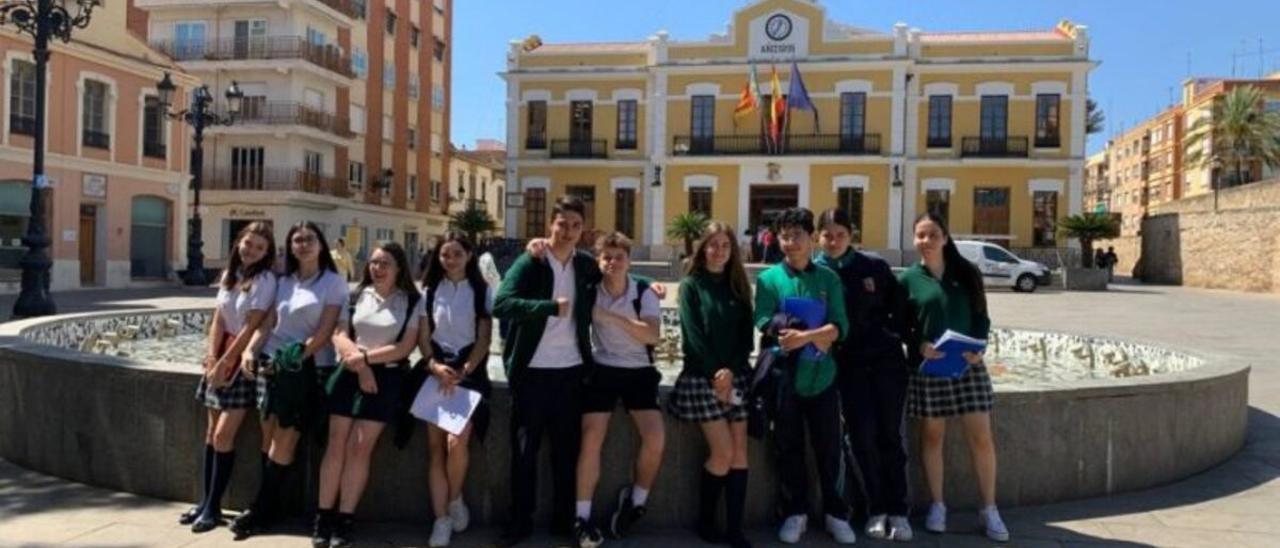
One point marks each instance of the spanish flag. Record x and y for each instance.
(777, 110)
(750, 100)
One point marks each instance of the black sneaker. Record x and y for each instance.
(586, 535)
(340, 532)
(322, 529)
(625, 515)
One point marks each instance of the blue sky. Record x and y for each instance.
(1143, 46)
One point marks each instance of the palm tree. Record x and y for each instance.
(687, 226)
(1094, 118)
(1238, 135)
(1088, 227)
(473, 221)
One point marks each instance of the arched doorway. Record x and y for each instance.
(149, 237)
(15, 210)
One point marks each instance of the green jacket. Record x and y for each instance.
(780, 281)
(525, 300)
(936, 305)
(715, 326)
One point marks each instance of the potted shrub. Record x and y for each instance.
(1087, 228)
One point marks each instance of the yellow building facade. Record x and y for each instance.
(986, 128)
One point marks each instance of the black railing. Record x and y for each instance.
(96, 139)
(258, 48)
(535, 143)
(288, 113)
(281, 179)
(938, 142)
(22, 125)
(153, 150)
(984, 147)
(569, 148)
(748, 145)
(1048, 142)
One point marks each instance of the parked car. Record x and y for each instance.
(1001, 268)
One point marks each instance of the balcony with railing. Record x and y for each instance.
(22, 125)
(985, 147)
(154, 149)
(96, 139)
(580, 149)
(345, 8)
(275, 179)
(264, 48)
(277, 113)
(792, 145)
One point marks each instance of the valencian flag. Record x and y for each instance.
(750, 101)
(777, 111)
(798, 96)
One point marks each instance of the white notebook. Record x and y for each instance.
(449, 413)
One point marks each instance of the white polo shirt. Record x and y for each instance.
(377, 320)
(612, 345)
(235, 304)
(558, 348)
(299, 305)
(454, 314)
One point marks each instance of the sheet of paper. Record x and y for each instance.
(450, 413)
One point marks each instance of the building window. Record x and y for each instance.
(994, 120)
(413, 85)
(389, 74)
(388, 128)
(588, 196)
(96, 133)
(850, 200)
(412, 139)
(702, 123)
(391, 23)
(359, 63)
(1047, 107)
(535, 212)
(437, 97)
(247, 171)
(1044, 221)
(627, 124)
(189, 40)
(415, 36)
(439, 5)
(537, 136)
(700, 201)
(153, 141)
(625, 211)
(853, 120)
(355, 175)
(439, 48)
(413, 188)
(384, 235)
(22, 101)
(938, 202)
(991, 211)
(435, 190)
(360, 8)
(939, 121)
(357, 118)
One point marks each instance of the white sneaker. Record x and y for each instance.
(936, 521)
(840, 530)
(876, 527)
(994, 526)
(459, 515)
(899, 529)
(440, 532)
(793, 528)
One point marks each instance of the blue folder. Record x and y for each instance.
(813, 312)
(952, 365)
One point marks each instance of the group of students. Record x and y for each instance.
(579, 340)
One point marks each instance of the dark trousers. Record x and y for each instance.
(873, 396)
(821, 413)
(546, 401)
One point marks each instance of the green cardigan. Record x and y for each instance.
(525, 300)
(715, 326)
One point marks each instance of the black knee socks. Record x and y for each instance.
(206, 477)
(735, 501)
(223, 463)
(708, 504)
(269, 490)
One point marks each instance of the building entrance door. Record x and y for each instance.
(88, 245)
(767, 201)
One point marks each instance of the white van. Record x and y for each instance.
(1000, 268)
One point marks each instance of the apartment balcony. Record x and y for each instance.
(341, 11)
(266, 48)
(983, 147)
(275, 179)
(579, 149)
(287, 113)
(792, 145)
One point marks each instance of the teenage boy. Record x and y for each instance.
(547, 302)
(627, 324)
(809, 397)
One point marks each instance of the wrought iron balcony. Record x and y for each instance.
(580, 149)
(983, 147)
(792, 145)
(153, 149)
(22, 125)
(262, 48)
(96, 139)
(291, 113)
(278, 179)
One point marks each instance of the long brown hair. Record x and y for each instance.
(231, 276)
(404, 278)
(733, 269)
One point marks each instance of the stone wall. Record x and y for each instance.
(1187, 242)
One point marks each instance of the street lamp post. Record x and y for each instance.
(42, 19)
(199, 116)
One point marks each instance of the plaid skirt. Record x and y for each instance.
(694, 400)
(938, 397)
(240, 394)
